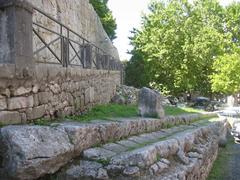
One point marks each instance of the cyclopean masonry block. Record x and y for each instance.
(16, 36)
(149, 103)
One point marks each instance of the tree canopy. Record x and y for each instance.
(179, 42)
(106, 17)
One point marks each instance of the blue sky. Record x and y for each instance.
(128, 16)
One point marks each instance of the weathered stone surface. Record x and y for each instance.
(117, 148)
(36, 112)
(114, 170)
(157, 168)
(149, 103)
(140, 157)
(22, 90)
(82, 136)
(20, 102)
(3, 103)
(98, 154)
(102, 174)
(35, 88)
(132, 171)
(44, 97)
(167, 148)
(118, 99)
(182, 157)
(129, 94)
(55, 88)
(10, 117)
(127, 143)
(85, 169)
(29, 152)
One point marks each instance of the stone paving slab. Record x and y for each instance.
(117, 148)
(128, 143)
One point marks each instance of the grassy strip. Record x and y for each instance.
(220, 166)
(173, 111)
(111, 111)
(106, 112)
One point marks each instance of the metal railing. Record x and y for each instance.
(83, 52)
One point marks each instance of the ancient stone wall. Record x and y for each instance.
(79, 16)
(53, 91)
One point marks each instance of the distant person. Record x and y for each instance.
(188, 97)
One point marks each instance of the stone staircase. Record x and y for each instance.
(177, 147)
(181, 152)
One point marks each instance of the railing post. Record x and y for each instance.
(106, 59)
(87, 56)
(65, 52)
(16, 45)
(99, 61)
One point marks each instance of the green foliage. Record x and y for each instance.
(137, 72)
(107, 19)
(226, 78)
(179, 42)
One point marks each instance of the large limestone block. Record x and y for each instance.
(36, 112)
(149, 103)
(20, 102)
(3, 103)
(28, 152)
(82, 136)
(10, 117)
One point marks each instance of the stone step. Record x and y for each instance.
(25, 148)
(174, 153)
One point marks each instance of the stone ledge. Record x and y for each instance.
(77, 137)
(174, 158)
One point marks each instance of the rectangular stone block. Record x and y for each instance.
(10, 117)
(44, 97)
(36, 112)
(20, 102)
(3, 103)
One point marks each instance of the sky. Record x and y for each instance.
(128, 15)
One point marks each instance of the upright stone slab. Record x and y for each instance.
(16, 36)
(149, 103)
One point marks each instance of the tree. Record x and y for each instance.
(180, 41)
(106, 17)
(226, 78)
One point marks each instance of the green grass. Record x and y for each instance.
(106, 112)
(173, 111)
(220, 166)
(111, 111)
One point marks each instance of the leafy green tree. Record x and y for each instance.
(180, 41)
(226, 78)
(107, 19)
